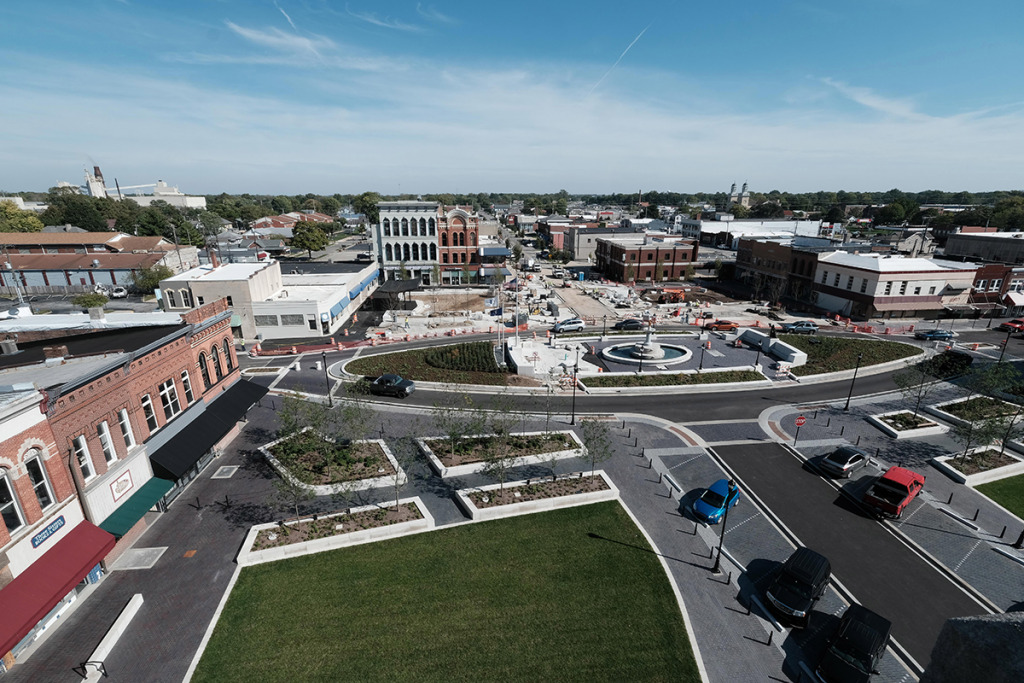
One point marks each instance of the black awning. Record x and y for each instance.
(185, 448)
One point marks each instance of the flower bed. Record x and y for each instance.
(964, 410)
(901, 424)
(467, 363)
(535, 495)
(275, 541)
(325, 467)
(528, 448)
(981, 465)
(632, 379)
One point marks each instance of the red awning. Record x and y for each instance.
(36, 591)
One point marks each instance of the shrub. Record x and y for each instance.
(470, 357)
(90, 300)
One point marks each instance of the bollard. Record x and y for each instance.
(630, 433)
(661, 476)
(650, 463)
(975, 517)
(815, 415)
(842, 430)
(636, 441)
(950, 500)
(623, 425)
(694, 527)
(770, 635)
(829, 423)
(1020, 541)
(878, 452)
(1003, 533)
(858, 439)
(198, 507)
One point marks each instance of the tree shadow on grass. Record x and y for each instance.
(646, 550)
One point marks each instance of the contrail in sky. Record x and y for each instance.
(286, 16)
(638, 36)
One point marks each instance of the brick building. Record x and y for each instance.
(458, 242)
(649, 256)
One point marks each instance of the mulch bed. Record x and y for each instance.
(981, 462)
(537, 490)
(361, 460)
(979, 408)
(287, 534)
(474, 449)
(902, 422)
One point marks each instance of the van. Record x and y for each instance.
(364, 257)
(798, 585)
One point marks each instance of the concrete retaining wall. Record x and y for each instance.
(907, 433)
(475, 467)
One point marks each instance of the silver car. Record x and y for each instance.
(844, 461)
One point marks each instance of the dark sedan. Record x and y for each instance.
(855, 648)
(934, 335)
(392, 385)
(629, 324)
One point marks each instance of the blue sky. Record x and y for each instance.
(319, 96)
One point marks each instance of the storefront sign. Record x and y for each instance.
(121, 485)
(51, 528)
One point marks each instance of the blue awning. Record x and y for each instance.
(337, 308)
(494, 251)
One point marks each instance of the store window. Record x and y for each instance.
(82, 456)
(126, 429)
(186, 384)
(169, 399)
(8, 504)
(40, 484)
(147, 409)
(103, 432)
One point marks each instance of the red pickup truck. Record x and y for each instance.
(892, 492)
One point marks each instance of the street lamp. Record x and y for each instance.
(703, 348)
(725, 520)
(327, 376)
(1006, 342)
(860, 356)
(575, 371)
(604, 325)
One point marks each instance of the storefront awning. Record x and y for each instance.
(494, 271)
(236, 320)
(1014, 298)
(121, 520)
(35, 591)
(185, 448)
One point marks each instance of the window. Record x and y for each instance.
(8, 505)
(171, 303)
(863, 285)
(824, 276)
(186, 301)
(227, 355)
(835, 282)
(310, 322)
(996, 284)
(200, 300)
(849, 282)
(204, 370)
(903, 288)
(917, 290)
(126, 428)
(186, 384)
(982, 284)
(265, 320)
(169, 399)
(147, 408)
(888, 288)
(230, 302)
(103, 432)
(37, 475)
(216, 363)
(650, 257)
(931, 290)
(292, 319)
(82, 455)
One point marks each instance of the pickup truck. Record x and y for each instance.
(801, 327)
(891, 493)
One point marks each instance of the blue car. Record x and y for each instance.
(711, 505)
(934, 335)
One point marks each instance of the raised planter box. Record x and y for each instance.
(340, 487)
(928, 430)
(531, 506)
(475, 467)
(247, 556)
(947, 465)
(937, 409)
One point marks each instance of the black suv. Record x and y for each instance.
(802, 580)
(855, 648)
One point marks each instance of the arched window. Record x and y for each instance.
(405, 227)
(405, 252)
(186, 298)
(433, 252)
(472, 239)
(444, 239)
(9, 509)
(204, 370)
(415, 252)
(227, 355)
(171, 302)
(37, 475)
(387, 252)
(217, 370)
(431, 226)
(423, 226)
(462, 239)
(387, 228)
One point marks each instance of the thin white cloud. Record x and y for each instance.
(638, 36)
(866, 97)
(292, 23)
(276, 39)
(384, 22)
(431, 13)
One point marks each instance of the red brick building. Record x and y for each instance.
(458, 235)
(644, 257)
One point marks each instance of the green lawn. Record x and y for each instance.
(528, 598)
(457, 363)
(832, 354)
(1007, 492)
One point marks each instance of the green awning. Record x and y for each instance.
(131, 511)
(236, 320)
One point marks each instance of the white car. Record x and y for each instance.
(569, 325)
(118, 293)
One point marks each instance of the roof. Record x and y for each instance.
(894, 263)
(89, 344)
(228, 272)
(52, 238)
(125, 261)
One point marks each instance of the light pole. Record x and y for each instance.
(703, 348)
(725, 520)
(575, 370)
(604, 326)
(860, 356)
(1006, 342)
(327, 376)
(758, 359)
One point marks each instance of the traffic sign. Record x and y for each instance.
(801, 421)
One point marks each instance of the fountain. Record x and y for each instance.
(646, 350)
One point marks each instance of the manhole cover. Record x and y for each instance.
(138, 558)
(225, 472)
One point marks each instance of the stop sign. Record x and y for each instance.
(801, 421)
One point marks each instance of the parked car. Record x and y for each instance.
(844, 461)
(711, 504)
(934, 335)
(722, 326)
(1016, 325)
(629, 324)
(801, 327)
(392, 385)
(854, 649)
(800, 582)
(891, 493)
(569, 325)
(364, 257)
